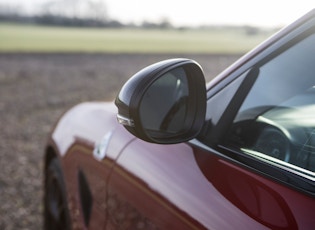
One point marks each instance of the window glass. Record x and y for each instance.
(276, 121)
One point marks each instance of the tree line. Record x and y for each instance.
(78, 13)
(87, 13)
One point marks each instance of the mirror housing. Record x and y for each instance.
(165, 102)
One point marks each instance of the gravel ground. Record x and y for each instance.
(35, 89)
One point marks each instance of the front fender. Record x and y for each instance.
(88, 122)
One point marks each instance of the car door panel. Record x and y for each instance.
(269, 202)
(164, 185)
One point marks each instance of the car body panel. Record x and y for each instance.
(152, 185)
(160, 185)
(147, 177)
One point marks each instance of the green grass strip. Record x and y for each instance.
(31, 38)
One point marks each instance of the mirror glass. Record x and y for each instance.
(164, 104)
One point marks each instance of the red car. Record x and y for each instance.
(237, 153)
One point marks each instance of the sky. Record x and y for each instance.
(267, 13)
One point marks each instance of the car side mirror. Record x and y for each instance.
(165, 102)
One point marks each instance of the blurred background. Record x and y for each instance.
(57, 53)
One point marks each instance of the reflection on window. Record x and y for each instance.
(276, 121)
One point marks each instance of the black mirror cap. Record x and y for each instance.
(131, 94)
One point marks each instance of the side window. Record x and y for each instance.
(276, 120)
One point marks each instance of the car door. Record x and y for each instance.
(251, 167)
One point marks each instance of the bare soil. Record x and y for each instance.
(35, 89)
